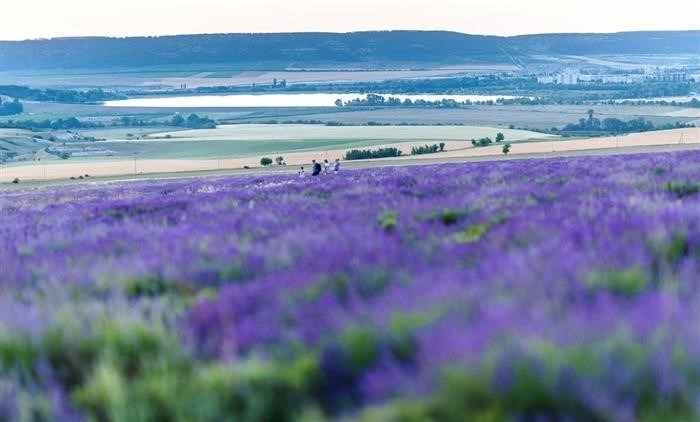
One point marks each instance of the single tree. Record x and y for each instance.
(442, 146)
(177, 120)
(265, 161)
(279, 160)
(506, 149)
(500, 136)
(10, 108)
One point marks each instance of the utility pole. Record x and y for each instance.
(135, 156)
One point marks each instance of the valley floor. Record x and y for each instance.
(454, 150)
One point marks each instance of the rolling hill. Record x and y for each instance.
(310, 50)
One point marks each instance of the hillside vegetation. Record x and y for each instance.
(304, 50)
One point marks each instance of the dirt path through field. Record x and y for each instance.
(453, 149)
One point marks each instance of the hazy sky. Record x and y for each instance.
(55, 18)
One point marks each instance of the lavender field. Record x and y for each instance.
(548, 289)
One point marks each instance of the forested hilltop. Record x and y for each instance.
(384, 49)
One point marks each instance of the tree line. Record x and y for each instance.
(365, 154)
(9, 108)
(486, 141)
(90, 96)
(428, 149)
(616, 126)
(193, 121)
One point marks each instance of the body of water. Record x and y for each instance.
(678, 99)
(281, 100)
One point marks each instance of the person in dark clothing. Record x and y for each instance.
(316, 169)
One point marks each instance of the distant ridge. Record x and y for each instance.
(307, 50)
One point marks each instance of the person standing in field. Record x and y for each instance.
(326, 166)
(336, 166)
(316, 168)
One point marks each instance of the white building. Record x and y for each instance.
(568, 77)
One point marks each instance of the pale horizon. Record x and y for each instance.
(134, 18)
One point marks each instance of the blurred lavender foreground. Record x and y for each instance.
(550, 289)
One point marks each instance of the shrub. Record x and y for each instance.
(195, 122)
(361, 345)
(15, 180)
(265, 161)
(402, 329)
(388, 220)
(628, 282)
(150, 286)
(365, 154)
(482, 142)
(683, 189)
(426, 149)
(450, 216)
(174, 390)
(472, 234)
(130, 370)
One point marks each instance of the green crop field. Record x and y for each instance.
(540, 117)
(259, 132)
(254, 140)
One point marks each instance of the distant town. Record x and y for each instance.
(572, 76)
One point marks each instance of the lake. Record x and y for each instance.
(280, 100)
(678, 99)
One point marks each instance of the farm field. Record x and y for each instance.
(227, 141)
(554, 289)
(286, 100)
(208, 75)
(378, 134)
(541, 117)
(172, 156)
